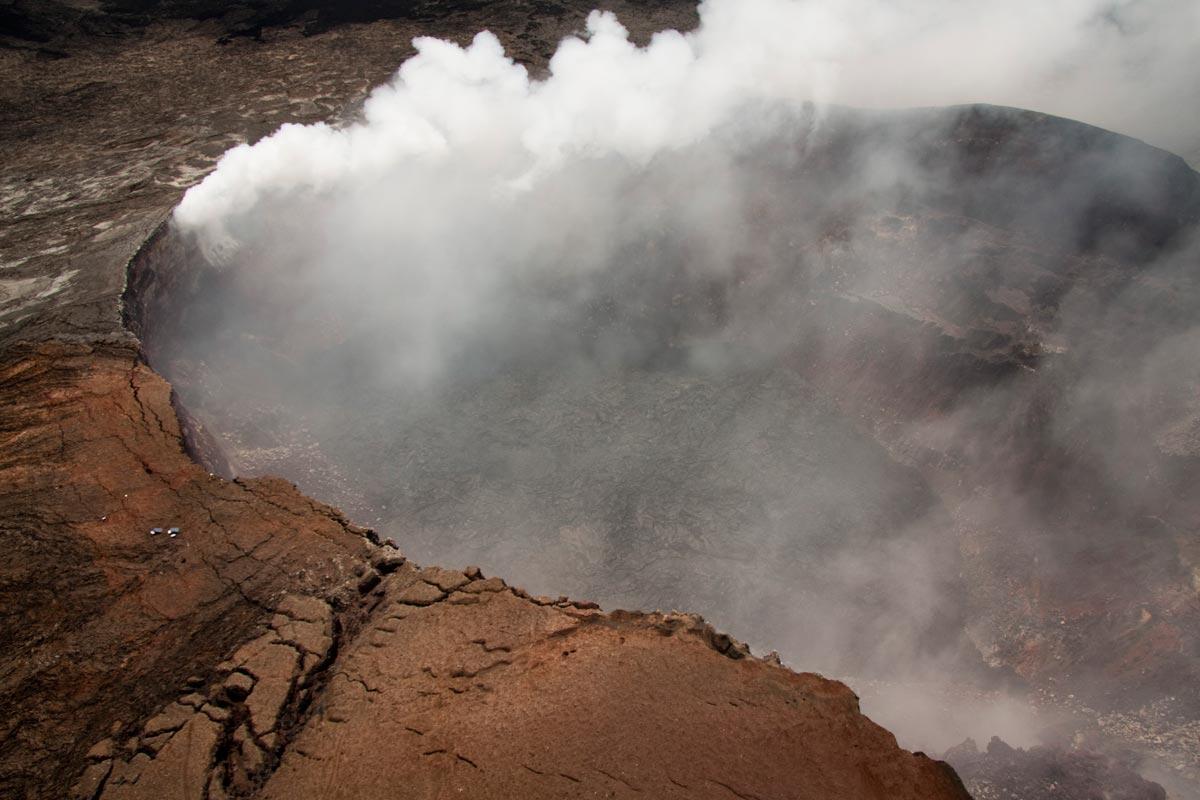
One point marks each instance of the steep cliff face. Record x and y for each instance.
(106, 610)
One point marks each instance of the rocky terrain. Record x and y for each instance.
(481, 690)
(260, 644)
(1003, 771)
(1005, 409)
(270, 647)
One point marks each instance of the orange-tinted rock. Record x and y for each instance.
(117, 619)
(504, 697)
(608, 708)
(179, 770)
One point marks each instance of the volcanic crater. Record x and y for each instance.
(842, 441)
(931, 416)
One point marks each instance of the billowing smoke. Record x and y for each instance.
(896, 393)
(1132, 67)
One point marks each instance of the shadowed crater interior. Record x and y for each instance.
(747, 378)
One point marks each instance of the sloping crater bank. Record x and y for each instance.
(921, 341)
(153, 665)
(904, 433)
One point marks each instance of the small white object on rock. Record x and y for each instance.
(155, 531)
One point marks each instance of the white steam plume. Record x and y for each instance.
(605, 95)
(1131, 66)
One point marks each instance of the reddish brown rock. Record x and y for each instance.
(111, 620)
(504, 697)
(420, 594)
(488, 585)
(607, 708)
(92, 780)
(445, 579)
(179, 770)
(238, 685)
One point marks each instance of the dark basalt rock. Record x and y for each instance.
(48, 22)
(1048, 773)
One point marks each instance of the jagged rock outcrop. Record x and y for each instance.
(1002, 771)
(271, 648)
(103, 618)
(142, 664)
(450, 684)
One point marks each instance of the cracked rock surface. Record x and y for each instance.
(505, 696)
(103, 621)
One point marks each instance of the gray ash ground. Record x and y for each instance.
(1001, 772)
